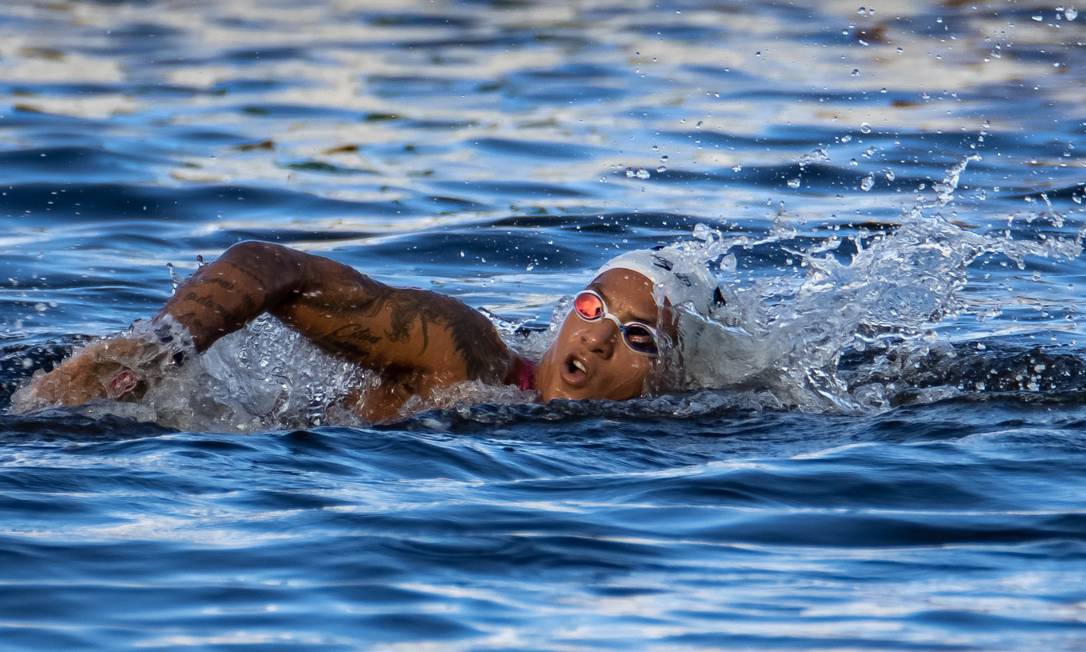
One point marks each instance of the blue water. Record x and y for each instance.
(499, 152)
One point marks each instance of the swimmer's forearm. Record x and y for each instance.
(248, 279)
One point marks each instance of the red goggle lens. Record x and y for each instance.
(588, 306)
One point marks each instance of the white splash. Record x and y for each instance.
(787, 335)
(263, 377)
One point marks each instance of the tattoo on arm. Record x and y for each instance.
(352, 339)
(255, 278)
(473, 336)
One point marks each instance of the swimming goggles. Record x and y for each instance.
(639, 337)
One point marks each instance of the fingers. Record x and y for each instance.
(118, 368)
(86, 376)
(64, 386)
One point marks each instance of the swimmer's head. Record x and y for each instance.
(609, 344)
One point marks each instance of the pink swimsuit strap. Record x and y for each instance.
(523, 373)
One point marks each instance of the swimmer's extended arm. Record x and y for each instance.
(391, 330)
(417, 339)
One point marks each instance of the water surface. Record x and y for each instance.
(916, 483)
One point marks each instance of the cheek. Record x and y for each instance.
(625, 376)
(565, 332)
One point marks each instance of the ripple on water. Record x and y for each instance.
(482, 149)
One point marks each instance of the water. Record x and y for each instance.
(886, 450)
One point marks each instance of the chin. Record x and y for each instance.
(558, 394)
(581, 394)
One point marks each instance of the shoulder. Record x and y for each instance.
(448, 336)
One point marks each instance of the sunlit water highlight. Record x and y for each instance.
(880, 443)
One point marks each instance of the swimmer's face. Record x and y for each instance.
(589, 360)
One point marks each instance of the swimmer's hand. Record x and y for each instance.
(118, 368)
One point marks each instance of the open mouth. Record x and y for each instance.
(574, 371)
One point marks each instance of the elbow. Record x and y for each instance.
(275, 264)
(256, 250)
(265, 255)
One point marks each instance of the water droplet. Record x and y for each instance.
(867, 183)
(901, 50)
(1038, 18)
(794, 183)
(698, 125)
(814, 156)
(870, 151)
(862, 11)
(889, 174)
(847, 138)
(175, 281)
(865, 128)
(855, 72)
(737, 168)
(661, 169)
(27, 363)
(40, 307)
(1071, 13)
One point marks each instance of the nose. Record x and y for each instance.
(599, 337)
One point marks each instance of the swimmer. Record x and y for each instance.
(417, 341)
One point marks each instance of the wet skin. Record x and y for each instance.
(588, 359)
(417, 341)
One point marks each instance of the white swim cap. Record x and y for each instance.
(679, 275)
